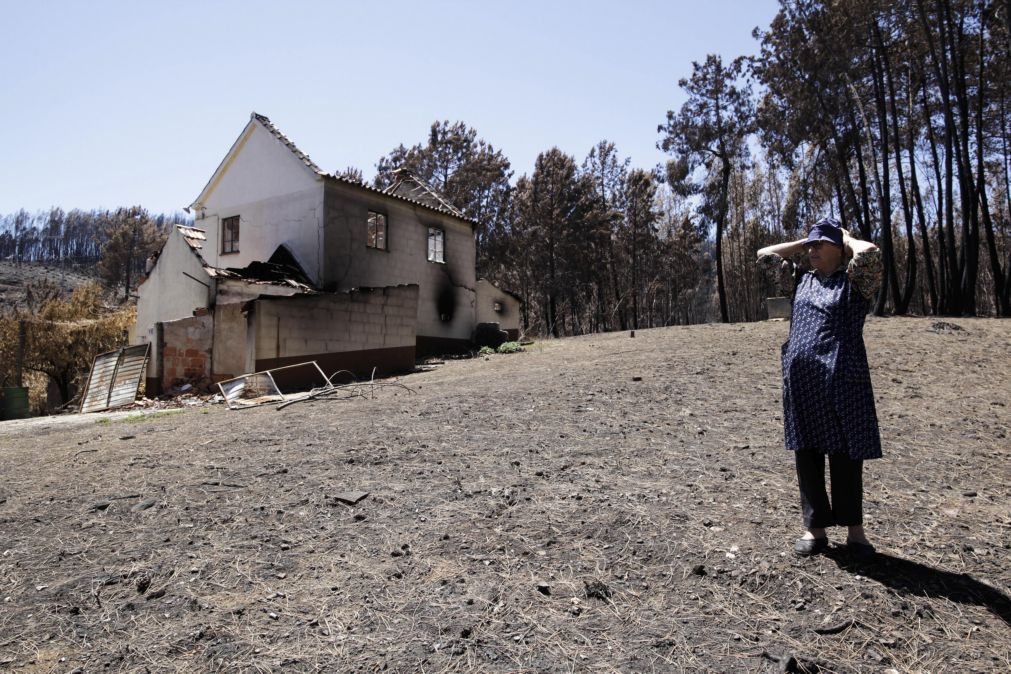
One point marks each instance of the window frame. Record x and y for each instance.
(369, 237)
(230, 246)
(438, 254)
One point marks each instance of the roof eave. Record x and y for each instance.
(247, 131)
(362, 186)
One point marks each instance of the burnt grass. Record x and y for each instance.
(601, 503)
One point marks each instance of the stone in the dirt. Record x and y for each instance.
(157, 594)
(544, 589)
(143, 505)
(699, 570)
(969, 494)
(350, 497)
(597, 590)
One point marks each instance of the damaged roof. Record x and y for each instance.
(515, 296)
(280, 269)
(407, 187)
(192, 236)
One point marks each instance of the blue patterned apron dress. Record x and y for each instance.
(828, 402)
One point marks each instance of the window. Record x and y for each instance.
(436, 245)
(230, 234)
(377, 231)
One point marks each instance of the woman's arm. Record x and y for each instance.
(776, 268)
(784, 250)
(864, 269)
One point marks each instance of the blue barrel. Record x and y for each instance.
(13, 402)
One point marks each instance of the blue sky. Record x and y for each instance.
(117, 103)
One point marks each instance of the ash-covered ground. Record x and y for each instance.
(603, 503)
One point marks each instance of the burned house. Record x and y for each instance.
(286, 262)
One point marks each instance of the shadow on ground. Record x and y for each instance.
(912, 578)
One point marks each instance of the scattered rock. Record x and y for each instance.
(597, 590)
(544, 589)
(143, 505)
(944, 326)
(350, 497)
(835, 629)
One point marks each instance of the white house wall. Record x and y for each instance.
(177, 286)
(279, 200)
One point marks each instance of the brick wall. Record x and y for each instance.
(187, 349)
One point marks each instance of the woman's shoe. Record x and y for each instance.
(805, 547)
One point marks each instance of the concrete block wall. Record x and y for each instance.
(313, 325)
(186, 350)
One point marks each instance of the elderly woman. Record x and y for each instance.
(828, 403)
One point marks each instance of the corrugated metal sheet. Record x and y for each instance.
(114, 379)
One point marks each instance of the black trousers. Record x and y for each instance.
(846, 507)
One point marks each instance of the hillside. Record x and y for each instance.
(14, 278)
(593, 504)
